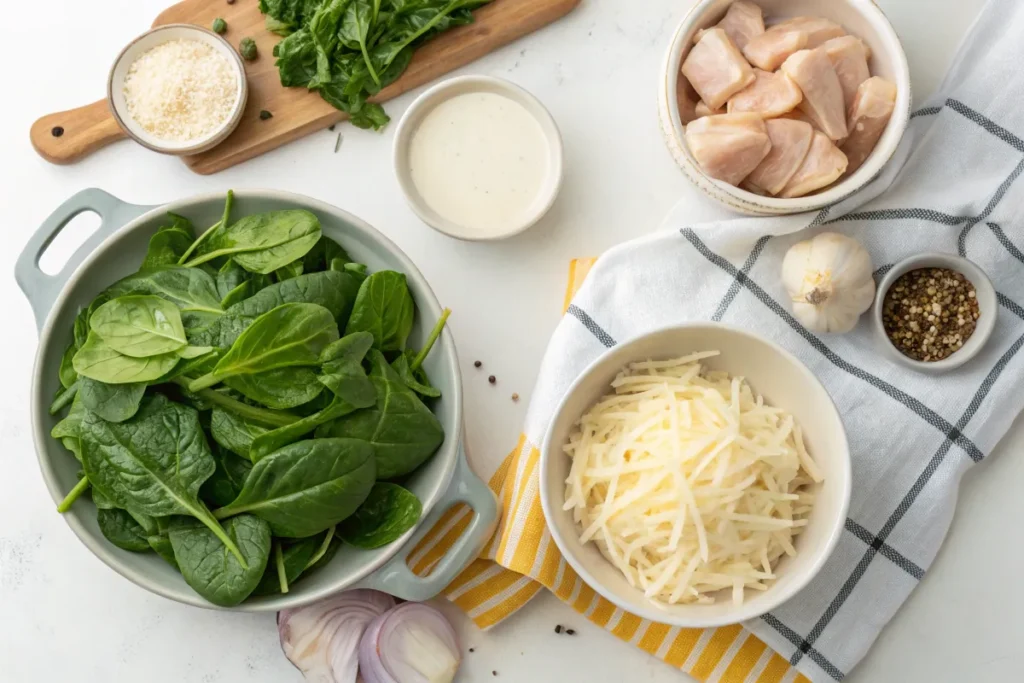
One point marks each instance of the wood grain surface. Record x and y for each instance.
(296, 111)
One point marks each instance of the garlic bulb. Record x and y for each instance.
(829, 278)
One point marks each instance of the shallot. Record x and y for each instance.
(413, 643)
(322, 639)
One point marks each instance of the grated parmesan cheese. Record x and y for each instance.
(689, 483)
(181, 90)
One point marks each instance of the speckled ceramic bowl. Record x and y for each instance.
(862, 18)
(987, 303)
(114, 251)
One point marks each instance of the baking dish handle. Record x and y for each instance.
(397, 579)
(41, 289)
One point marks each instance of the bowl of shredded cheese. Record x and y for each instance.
(697, 476)
(178, 89)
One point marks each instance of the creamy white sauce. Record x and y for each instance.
(480, 160)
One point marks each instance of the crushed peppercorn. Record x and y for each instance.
(558, 628)
(930, 313)
(477, 364)
(492, 379)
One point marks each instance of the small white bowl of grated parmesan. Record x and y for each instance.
(178, 89)
(697, 476)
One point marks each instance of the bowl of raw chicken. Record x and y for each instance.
(777, 107)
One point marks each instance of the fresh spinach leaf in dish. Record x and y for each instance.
(401, 429)
(387, 513)
(212, 571)
(307, 487)
(191, 389)
(384, 308)
(169, 243)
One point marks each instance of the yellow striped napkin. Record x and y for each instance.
(521, 559)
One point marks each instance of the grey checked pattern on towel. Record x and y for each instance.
(953, 186)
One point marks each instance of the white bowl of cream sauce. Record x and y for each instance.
(478, 158)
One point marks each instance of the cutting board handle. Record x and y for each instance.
(68, 136)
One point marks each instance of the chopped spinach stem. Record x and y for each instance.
(63, 398)
(73, 495)
(265, 416)
(282, 575)
(322, 550)
(435, 333)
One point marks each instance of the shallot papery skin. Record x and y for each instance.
(322, 639)
(413, 643)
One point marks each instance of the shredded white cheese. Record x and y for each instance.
(181, 90)
(688, 482)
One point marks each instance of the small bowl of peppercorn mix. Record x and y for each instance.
(935, 312)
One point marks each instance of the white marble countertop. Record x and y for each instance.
(65, 616)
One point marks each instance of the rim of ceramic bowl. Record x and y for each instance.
(443, 91)
(748, 202)
(985, 294)
(104, 551)
(823, 552)
(216, 136)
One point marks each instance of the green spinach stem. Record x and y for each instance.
(445, 11)
(64, 397)
(73, 495)
(369, 63)
(228, 203)
(282, 575)
(264, 416)
(434, 334)
(207, 518)
(322, 550)
(204, 382)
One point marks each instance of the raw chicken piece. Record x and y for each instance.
(729, 146)
(704, 110)
(791, 140)
(823, 95)
(869, 115)
(770, 95)
(770, 49)
(822, 166)
(849, 58)
(818, 29)
(798, 115)
(716, 69)
(686, 100)
(743, 21)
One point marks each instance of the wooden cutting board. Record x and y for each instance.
(297, 112)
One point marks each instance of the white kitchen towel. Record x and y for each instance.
(952, 187)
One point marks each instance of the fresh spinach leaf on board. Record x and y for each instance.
(169, 243)
(323, 29)
(234, 433)
(121, 529)
(140, 325)
(112, 402)
(384, 308)
(153, 463)
(210, 569)
(334, 291)
(291, 335)
(296, 59)
(226, 482)
(262, 243)
(354, 33)
(387, 513)
(293, 13)
(97, 360)
(403, 431)
(280, 389)
(308, 486)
